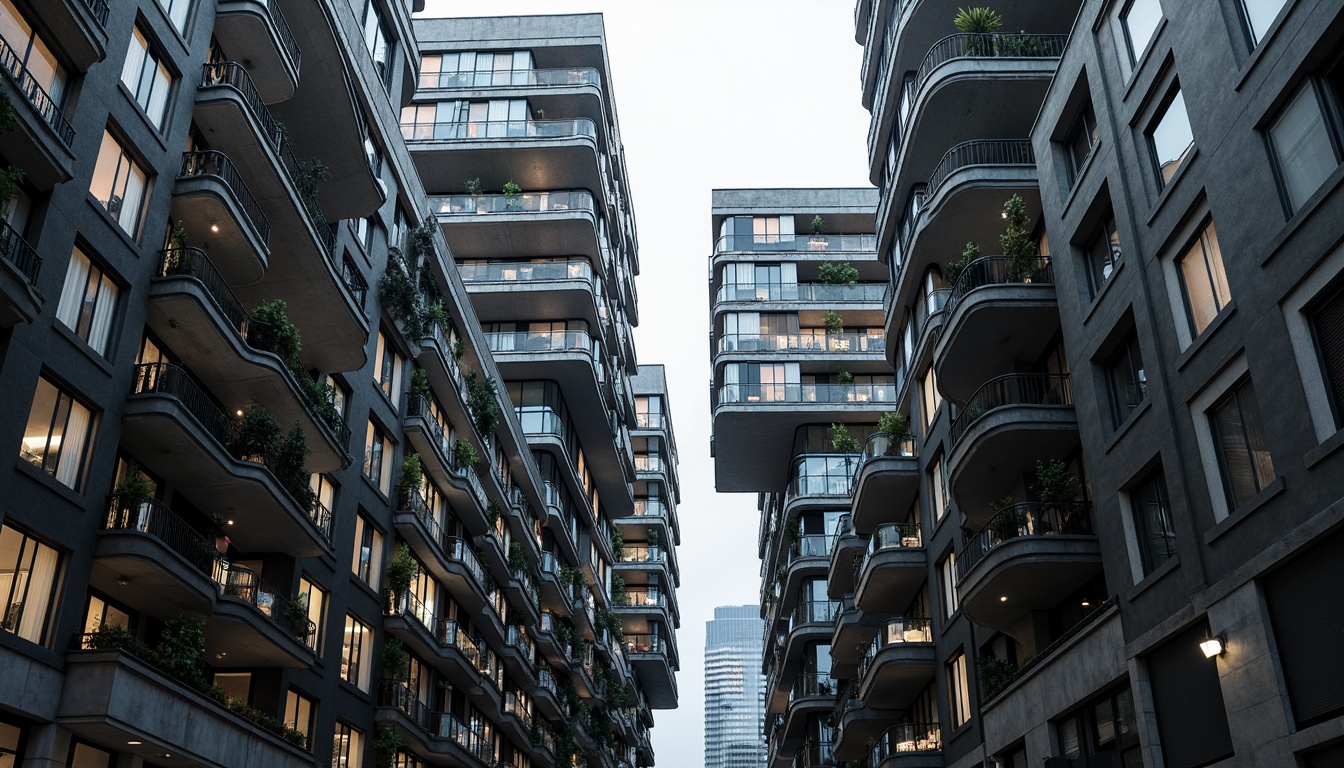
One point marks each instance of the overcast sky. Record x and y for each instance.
(712, 94)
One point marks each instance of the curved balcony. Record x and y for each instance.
(886, 479)
(797, 243)
(211, 195)
(511, 78)
(256, 31)
(42, 143)
(908, 745)
(517, 289)
(168, 417)
(848, 548)
(809, 621)
(1029, 557)
(808, 556)
(802, 344)
(927, 318)
(1009, 424)
(80, 26)
(899, 663)
(655, 663)
(822, 477)
(858, 724)
(19, 266)
(657, 603)
(999, 310)
(649, 557)
(460, 484)
(800, 293)
(893, 569)
(429, 731)
(554, 223)
(440, 641)
(812, 693)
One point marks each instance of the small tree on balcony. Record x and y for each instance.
(472, 186)
(977, 20)
(464, 453)
(893, 423)
(954, 268)
(834, 322)
(1057, 487)
(484, 403)
(134, 488)
(838, 273)
(386, 745)
(844, 377)
(842, 441)
(401, 570)
(271, 330)
(412, 472)
(1016, 240)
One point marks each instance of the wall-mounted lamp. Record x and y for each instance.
(1212, 646)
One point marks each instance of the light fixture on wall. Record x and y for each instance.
(1213, 645)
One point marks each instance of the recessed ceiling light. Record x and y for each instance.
(1003, 598)
(215, 227)
(133, 743)
(238, 413)
(1086, 603)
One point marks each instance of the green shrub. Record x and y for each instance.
(894, 422)
(842, 441)
(401, 570)
(838, 273)
(271, 330)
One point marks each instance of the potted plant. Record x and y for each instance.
(517, 560)
(132, 492)
(401, 570)
(838, 273)
(1016, 241)
(215, 534)
(617, 542)
(412, 472)
(1057, 488)
(464, 454)
(954, 268)
(834, 322)
(844, 377)
(512, 196)
(296, 615)
(893, 423)
(818, 242)
(978, 23)
(257, 436)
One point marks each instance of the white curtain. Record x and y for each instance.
(730, 382)
(133, 192)
(105, 303)
(788, 278)
(41, 579)
(72, 444)
(72, 294)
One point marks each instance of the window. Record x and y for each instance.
(177, 11)
(938, 488)
(347, 748)
(29, 572)
(236, 685)
(1140, 20)
(1300, 142)
(947, 575)
(1239, 439)
(119, 184)
(339, 394)
(1103, 254)
(356, 653)
(1170, 139)
(299, 714)
(10, 736)
(378, 459)
(1126, 380)
(1081, 139)
(314, 599)
(32, 53)
(59, 434)
(1153, 529)
(931, 400)
(1108, 726)
(101, 613)
(387, 374)
(147, 78)
(1327, 327)
(958, 695)
(376, 39)
(86, 756)
(649, 412)
(368, 555)
(1258, 15)
(1203, 281)
(88, 302)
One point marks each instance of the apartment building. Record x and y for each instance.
(734, 688)
(292, 485)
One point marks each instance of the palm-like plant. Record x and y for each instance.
(978, 20)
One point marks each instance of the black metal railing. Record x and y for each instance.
(154, 518)
(99, 9)
(18, 252)
(286, 36)
(898, 631)
(1041, 389)
(980, 152)
(984, 46)
(1024, 519)
(244, 584)
(892, 536)
(812, 684)
(217, 164)
(34, 93)
(194, 262)
(904, 738)
(354, 280)
(999, 270)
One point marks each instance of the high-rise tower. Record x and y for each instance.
(734, 688)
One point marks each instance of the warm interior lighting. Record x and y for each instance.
(215, 227)
(1086, 603)
(1003, 598)
(238, 413)
(231, 523)
(133, 743)
(1213, 646)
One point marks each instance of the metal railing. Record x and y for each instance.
(650, 506)
(499, 129)
(821, 474)
(999, 270)
(847, 343)
(562, 201)
(460, 549)
(353, 280)
(1053, 648)
(642, 553)
(539, 341)
(797, 243)
(154, 518)
(194, 262)
(502, 78)
(18, 252)
(244, 584)
(812, 684)
(525, 271)
(217, 164)
(893, 536)
(808, 393)
(856, 292)
(813, 612)
(887, 444)
(168, 379)
(403, 699)
(980, 152)
(1024, 519)
(1041, 389)
(981, 46)
(36, 96)
(99, 9)
(811, 545)
(904, 738)
(906, 629)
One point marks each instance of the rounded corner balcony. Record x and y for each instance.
(80, 25)
(530, 153)
(42, 142)
(168, 417)
(654, 660)
(1029, 557)
(547, 223)
(754, 426)
(849, 544)
(256, 31)
(804, 347)
(545, 288)
(899, 663)
(892, 569)
(926, 321)
(20, 265)
(211, 196)
(193, 310)
(908, 745)
(1000, 309)
(886, 479)
(1009, 424)
(812, 693)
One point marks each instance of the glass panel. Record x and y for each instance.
(1171, 139)
(1302, 146)
(1140, 20)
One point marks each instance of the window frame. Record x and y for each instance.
(1101, 235)
(1233, 395)
(131, 159)
(106, 282)
(1127, 355)
(1243, 11)
(150, 55)
(1197, 241)
(81, 469)
(1331, 122)
(368, 538)
(1159, 116)
(958, 690)
(1140, 532)
(49, 607)
(1136, 56)
(357, 653)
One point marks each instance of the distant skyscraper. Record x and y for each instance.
(734, 688)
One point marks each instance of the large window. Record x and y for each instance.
(1140, 19)
(1300, 140)
(357, 653)
(177, 11)
(1082, 137)
(88, 302)
(147, 77)
(1105, 727)
(299, 714)
(378, 458)
(1103, 254)
(1170, 139)
(388, 369)
(947, 577)
(1327, 326)
(1258, 16)
(649, 412)
(378, 40)
(29, 572)
(1239, 439)
(958, 693)
(1126, 379)
(938, 488)
(59, 434)
(314, 599)
(32, 53)
(368, 556)
(932, 399)
(1153, 530)
(119, 184)
(1203, 280)
(347, 747)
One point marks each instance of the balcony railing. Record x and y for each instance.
(642, 553)
(499, 129)
(905, 629)
(37, 97)
(461, 550)
(539, 341)
(812, 684)
(808, 393)
(525, 271)
(647, 644)
(563, 201)
(218, 165)
(980, 152)
(811, 545)
(510, 78)
(999, 270)
(797, 243)
(654, 507)
(821, 474)
(1023, 389)
(18, 252)
(194, 262)
(844, 343)
(905, 738)
(99, 9)
(818, 292)
(246, 585)
(893, 536)
(933, 305)
(982, 46)
(154, 518)
(814, 612)
(881, 444)
(640, 597)
(1024, 519)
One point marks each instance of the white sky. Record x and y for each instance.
(721, 93)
